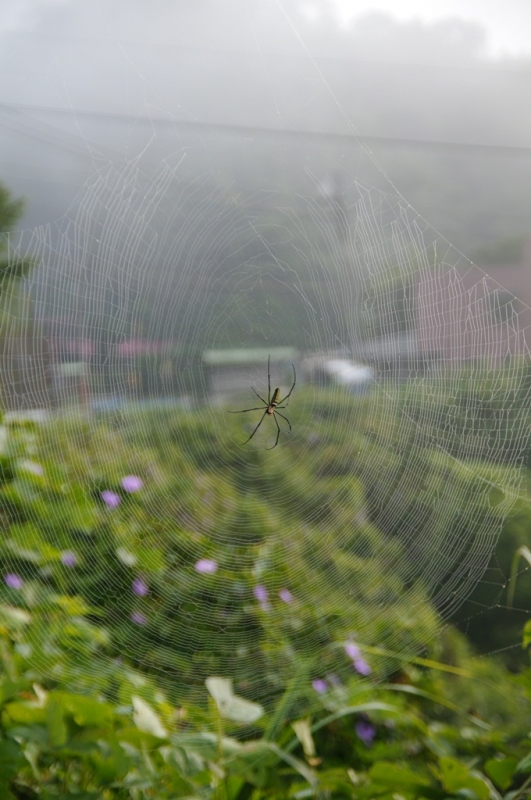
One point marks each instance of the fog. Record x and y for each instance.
(89, 81)
(137, 127)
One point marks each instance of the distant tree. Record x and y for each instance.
(11, 269)
(19, 344)
(503, 251)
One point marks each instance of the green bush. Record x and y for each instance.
(109, 631)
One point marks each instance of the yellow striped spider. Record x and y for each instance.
(271, 406)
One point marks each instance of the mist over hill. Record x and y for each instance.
(251, 106)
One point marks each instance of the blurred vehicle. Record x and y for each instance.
(356, 377)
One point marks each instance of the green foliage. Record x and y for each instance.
(10, 212)
(121, 737)
(501, 252)
(186, 512)
(94, 704)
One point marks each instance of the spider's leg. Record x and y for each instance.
(278, 434)
(268, 380)
(261, 398)
(283, 417)
(253, 433)
(292, 388)
(244, 410)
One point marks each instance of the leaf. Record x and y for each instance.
(456, 776)
(240, 710)
(87, 711)
(112, 765)
(294, 689)
(81, 796)
(150, 558)
(525, 553)
(387, 774)
(526, 641)
(231, 706)
(146, 719)
(257, 761)
(34, 556)
(501, 771)
(26, 713)
(525, 764)
(220, 689)
(127, 558)
(11, 760)
(13, 617)
(304, 735)
(55, 723)
(206, 745)
(74, 606)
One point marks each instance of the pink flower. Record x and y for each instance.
(132, 483)
(206, 566)
(68, 558)
(13, 580)
(366, 731)
(138, 618)
(140, 587)
(286, 595)
(320, 685)
(110, 498)
(260, 592)
(361, 666)
(352, 650)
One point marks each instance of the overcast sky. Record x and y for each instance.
(108, 74)
(250, 96)
(508, 24)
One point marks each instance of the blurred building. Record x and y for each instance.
(450, 315)
(233, 370)
(328, 369)
(462, 315)
(397, 354)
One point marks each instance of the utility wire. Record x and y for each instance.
(252, 131)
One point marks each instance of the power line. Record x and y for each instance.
(252, 131)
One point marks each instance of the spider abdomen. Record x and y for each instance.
(270, 406)
(274, 402)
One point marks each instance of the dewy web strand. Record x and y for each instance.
(153, 267)
(96, 273)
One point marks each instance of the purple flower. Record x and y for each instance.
(13, 580)
(352, 650)
(286, 595)
(361, 666)
(132, 483)
(206, 566)
(68, 558)
(110, 498)
(366, 731)
(260, 592)
(140, 587)
(320, 685)
(138, 618)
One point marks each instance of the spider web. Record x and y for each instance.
(159, 260)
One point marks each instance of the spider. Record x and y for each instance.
(271, 406)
